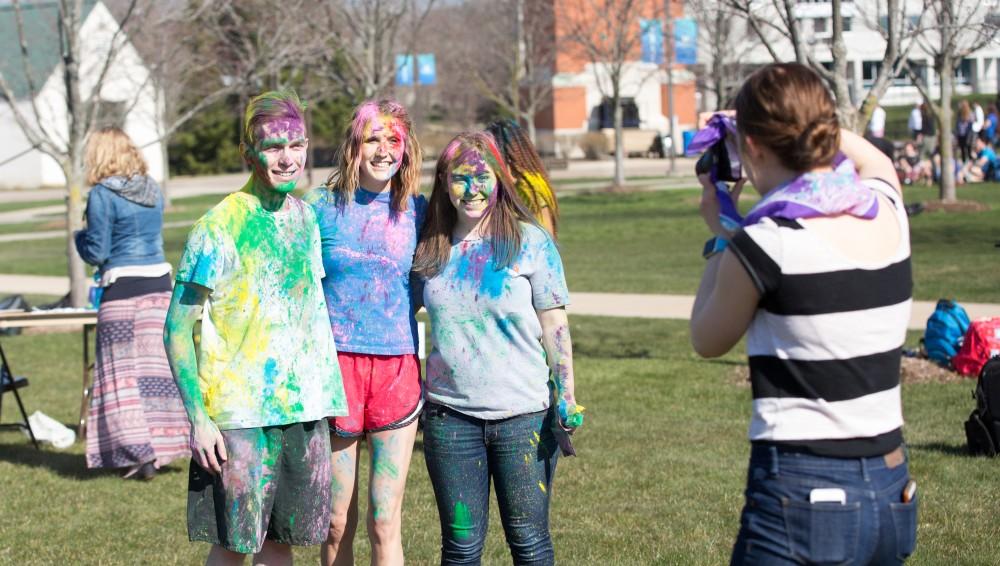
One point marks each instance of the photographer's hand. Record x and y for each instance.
(710, 208)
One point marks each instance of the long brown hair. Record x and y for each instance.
(502, 223)
(110, 152)
(344, 179)
(787, 108)
(964, 111)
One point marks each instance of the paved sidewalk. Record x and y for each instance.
(52, 234)
(596, 304)
(679, 307)
(226, 182)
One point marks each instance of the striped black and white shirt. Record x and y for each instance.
(825, 342)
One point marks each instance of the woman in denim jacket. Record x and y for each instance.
(136, 420)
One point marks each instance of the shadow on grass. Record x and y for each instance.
(65, 464)
(943, 448)
(69, 465)
(724, 362)
(616, 351)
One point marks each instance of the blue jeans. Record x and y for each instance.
(463, 453)
(780, 526)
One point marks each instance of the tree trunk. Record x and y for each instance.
(165, 157)
(619, 182)
(79, 285)
(311, 151)
(864, 115)
(946, 76)
(718, 58)
(845, 107)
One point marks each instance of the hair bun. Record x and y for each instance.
(816, 145)
(787, 108)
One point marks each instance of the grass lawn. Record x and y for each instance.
(658, 480)
(22, 205)
(650, 242)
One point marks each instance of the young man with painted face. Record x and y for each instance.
(369, 216)
(259, 390)
(493, 284)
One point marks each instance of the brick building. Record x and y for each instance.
(579, 103)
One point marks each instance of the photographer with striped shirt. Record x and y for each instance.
(818, 279)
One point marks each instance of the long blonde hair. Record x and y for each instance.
(344, 179)
(110, 152)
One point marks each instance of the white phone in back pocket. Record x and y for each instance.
(828, 495)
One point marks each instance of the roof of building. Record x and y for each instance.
(41, 29)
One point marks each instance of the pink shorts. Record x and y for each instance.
(383, 393)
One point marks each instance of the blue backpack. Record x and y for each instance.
(945, 328)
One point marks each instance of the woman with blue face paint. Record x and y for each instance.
(818, 278)
(369, 215)
(493, 284)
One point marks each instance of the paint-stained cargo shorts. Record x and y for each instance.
(275, 485)
(383, 393)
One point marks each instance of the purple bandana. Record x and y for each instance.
(807, 196)
(818, 194)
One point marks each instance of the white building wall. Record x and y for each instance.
(640, 82)
(19, 167)
(865, 43)
(127, 82)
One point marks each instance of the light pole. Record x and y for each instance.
(668, 61)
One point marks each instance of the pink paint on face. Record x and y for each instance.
(383, 145)
(279, 155)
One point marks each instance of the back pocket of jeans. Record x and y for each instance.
(904, 518)
(822, 533)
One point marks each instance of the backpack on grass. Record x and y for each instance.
(981, 342)
(945, 328)
(982, 430)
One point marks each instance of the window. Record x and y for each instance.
(606, 114)
(909, 23)
(919, 68)
(869, 72)
(963, 72)
(820, 25)
(847, 23)
(871, 69)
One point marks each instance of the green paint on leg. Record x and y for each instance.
(382, 463)
(461, 529)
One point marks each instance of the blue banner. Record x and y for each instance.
(652, 41)
(426, 71)
(404, 70)
(686, 41)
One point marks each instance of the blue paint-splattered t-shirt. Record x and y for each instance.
(487, 359)
(367, 254)
(267, 355)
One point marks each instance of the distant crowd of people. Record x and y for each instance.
(974, 158)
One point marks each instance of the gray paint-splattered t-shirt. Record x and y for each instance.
(487, 359)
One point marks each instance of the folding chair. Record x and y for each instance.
(9, 383)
